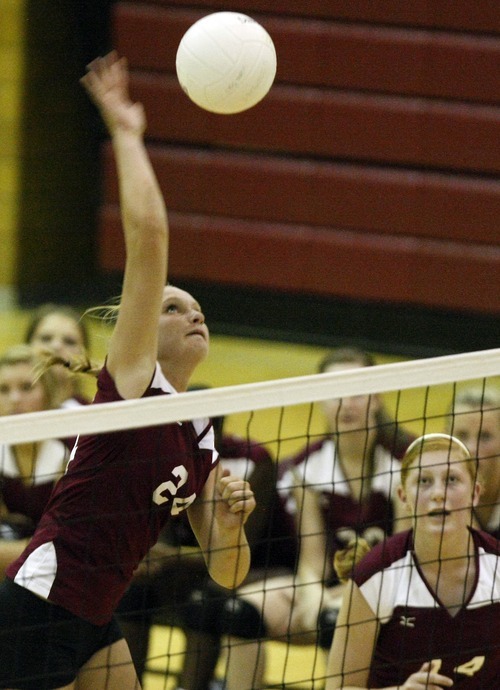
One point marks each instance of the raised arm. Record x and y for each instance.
(133, 347)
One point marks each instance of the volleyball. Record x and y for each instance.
(226, 62)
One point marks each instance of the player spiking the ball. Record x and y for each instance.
(57, 627)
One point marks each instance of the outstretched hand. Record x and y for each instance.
(426, 678)
(234, 501)
(106, 82)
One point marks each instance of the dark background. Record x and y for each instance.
(406, 251)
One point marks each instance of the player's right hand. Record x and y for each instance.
(106, 82)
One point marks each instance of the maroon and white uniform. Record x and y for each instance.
(108, 509)
(318, 468)
(416, 627)
(30, 499)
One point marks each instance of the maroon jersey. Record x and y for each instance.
(417, 628)
(70, 404)
(318, 468)
(107, 510)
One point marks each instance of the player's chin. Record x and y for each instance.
(199, 344)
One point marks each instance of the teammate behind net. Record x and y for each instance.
(56, 606)
(422, 611)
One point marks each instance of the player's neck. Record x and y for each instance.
(450, 577)
(177, 376)
(434, 551)
(354, 448)
(25, 455)
(355, 454)
(65, 388)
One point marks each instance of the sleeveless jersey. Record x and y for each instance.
(108, 509)
(417, 628)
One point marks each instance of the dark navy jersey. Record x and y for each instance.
(106, 512)
(416, 627)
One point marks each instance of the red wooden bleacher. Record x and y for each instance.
(370, 171)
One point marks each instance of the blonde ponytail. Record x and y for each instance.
(76, 364)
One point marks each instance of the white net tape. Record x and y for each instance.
(249, 397)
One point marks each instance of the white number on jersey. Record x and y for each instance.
(469, 668)
(171, 488)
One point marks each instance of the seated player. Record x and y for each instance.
(28, 471)
(343, 484)
(422, 610)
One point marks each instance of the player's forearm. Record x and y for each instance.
(309, 573)
(228, 560)
(141, 201)
(334, 684)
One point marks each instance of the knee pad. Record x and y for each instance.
(327, 621)
(203, 610)
(241, 619)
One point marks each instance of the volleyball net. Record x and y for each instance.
(281, 425)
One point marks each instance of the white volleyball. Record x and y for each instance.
(226, 62)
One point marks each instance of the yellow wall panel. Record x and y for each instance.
(11, 82)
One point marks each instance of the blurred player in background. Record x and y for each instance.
(28, 471)
(341, 485)
(61, 331)
(476, 422)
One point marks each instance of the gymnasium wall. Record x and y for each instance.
(368, 175)
(11, 85)
(357, 203)
(58, 153)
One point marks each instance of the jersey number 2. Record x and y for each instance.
(179, 504)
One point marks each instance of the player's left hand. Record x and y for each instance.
(235, 499)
